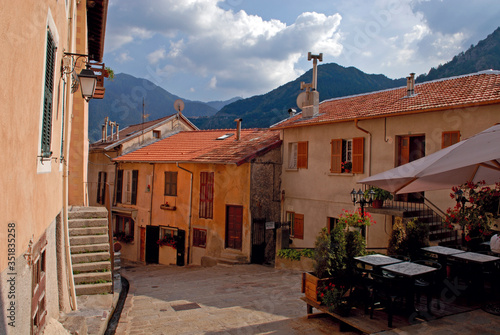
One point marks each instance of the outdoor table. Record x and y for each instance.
(377, 260)
(409, 271)
(442, 253)
(476, 271)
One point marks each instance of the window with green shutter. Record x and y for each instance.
(48, 96)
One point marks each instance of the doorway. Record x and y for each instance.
(234, 227)
(152, 247)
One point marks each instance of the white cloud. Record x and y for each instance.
(156, 56)
(213, 83)
(123, 57)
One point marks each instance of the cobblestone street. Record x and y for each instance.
(243, 299)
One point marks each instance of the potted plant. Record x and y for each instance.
(312, 282)
(346, 166)
(379, 196)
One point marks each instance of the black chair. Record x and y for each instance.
(429, 282)
(386, 290)
(491, 274)
(361, 286)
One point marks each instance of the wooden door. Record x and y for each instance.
(234, 227)
(142, 249)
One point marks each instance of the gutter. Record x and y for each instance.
(190, 211)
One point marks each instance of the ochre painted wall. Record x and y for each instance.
(319, 194)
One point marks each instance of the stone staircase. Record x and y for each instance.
(232, 258)
(90, 255)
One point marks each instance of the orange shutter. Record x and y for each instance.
(336, 156)
(450, 138)
(358, 150)
(298, 226)
(302, 155)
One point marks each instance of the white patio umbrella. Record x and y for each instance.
(474, 159)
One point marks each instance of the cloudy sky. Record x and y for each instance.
(214, 50)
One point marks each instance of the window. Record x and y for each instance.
(168, 232)
(296, 224)
(450, 138)
(101, 187)
(331, 223)
(297, 155)
(170, 183)
(124, 225)
(156, 133)
(347, 150)
(48, 92)
(199, 238)
(206, 195)
(126, 186)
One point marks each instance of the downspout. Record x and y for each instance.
(190, 211)
(369, 158)
(67, 249)
(152, 190)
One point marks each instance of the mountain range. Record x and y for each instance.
(125, 94)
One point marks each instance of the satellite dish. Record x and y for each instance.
(301, 99)
(179, 105)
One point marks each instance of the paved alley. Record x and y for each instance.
(243, 299)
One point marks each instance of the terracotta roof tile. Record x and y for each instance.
(204, 147)
(474, 89)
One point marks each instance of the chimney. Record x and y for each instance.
(105, 132)
(410, 85)
(238, 128)
(117, 131)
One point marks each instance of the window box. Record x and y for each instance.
(168, 207)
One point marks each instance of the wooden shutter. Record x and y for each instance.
(358, 150)
(450, 138)
(135, 177)
(336, 156)
(119, 186)
(206, 195)
(302, 155)
(48, 96)
(298, 226)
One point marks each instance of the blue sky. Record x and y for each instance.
(214, 50)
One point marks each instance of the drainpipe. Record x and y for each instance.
(151, 204)
(190, 211)
(67, 250)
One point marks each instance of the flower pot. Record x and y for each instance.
(310, 284)
(378, 203)
(347, 170)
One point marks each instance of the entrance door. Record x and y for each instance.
(410, 148)
(142, 249)
(152, 248)
(234, 227)
(258, 241)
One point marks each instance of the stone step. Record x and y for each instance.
(236, 256)
(78, 212)
(84, 248)
(83, 223)
(90, 257)
(91, 267)
(91, 289)
(227, 261)
(88, 239)
(88, 231)
(92, 277)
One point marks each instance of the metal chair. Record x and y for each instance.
(429, 282)
(388, 290)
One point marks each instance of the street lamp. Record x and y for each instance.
(359, 198)
(87, 79)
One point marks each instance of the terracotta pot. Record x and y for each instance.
(378, 203)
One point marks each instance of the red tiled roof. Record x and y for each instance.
(204, 147)
(469, 90)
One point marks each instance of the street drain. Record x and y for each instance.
(185, 307)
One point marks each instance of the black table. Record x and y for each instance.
(409, 272)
